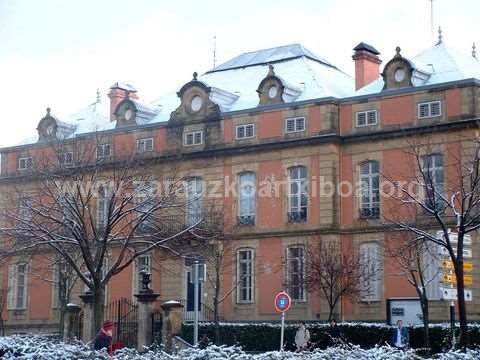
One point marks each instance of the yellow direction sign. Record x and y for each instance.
(452, 279)
(448, 265)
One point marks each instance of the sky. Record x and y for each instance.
(57, 53)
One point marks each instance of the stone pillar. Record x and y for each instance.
(172, 322)
(71, 322)
(88, 332)
(145, 298)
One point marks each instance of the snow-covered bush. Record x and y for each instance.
(43, 348)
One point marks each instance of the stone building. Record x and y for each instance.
(262, 118)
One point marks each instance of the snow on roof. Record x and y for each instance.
(441, 62)
(265, 56)
(312, 78)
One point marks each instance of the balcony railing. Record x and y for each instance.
(246, 220)
(370, 212)
(297, 216)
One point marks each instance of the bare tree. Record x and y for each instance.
(111, 212)
(338, 274)
(442, 206)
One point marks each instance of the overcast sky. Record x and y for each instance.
(58, 52)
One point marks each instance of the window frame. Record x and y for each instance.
(429, 105)
(28, 160)
(14, 286)
(302, 184)
(250, 216)
(369, 177)
(245, 126)
(366, 112)
(103, 146)
(193, 133)
(61, 158)
(141, 149)
(289, 273)
(433, 168)
(251, 276)
(195, 212)
(295, 121)
(377, 282)
(137, 268)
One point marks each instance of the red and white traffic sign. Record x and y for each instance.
(282, 302)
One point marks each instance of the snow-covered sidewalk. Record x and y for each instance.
(43, 348)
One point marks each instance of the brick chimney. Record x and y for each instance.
(118, 92)
(367, 64)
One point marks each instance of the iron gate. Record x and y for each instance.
(123, 313)
(157, 322)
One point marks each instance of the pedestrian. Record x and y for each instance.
(334, 334)
(302, 337)
(400, 337)
(103, 340)
(204, 342)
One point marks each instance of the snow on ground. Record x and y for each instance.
(44, 348)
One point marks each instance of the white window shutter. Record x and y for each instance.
(11, 286)
(25, 286)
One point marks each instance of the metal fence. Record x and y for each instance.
(123, 313)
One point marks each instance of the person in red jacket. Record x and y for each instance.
(103, 340)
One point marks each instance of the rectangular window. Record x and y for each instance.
(294, 124)
(143, 263)
(429, 109)
(17, 286)
(25, 209)
(146, 206)
(371, 272)
(366, 118)
(245, 276)
(66, 158)
(194, 200)
(144, 145)
(433, 176)
(193, 138)
(297, 194)
(103, 151)
(431, 271)
(245, 131)
(370, 190)
(296, 272)
(247, 199)
(62, 282)
(102, 209)
(25, 163)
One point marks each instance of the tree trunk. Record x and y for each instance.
(330, 312)
(216, 304)
(462, 313)
(426, 320)
(98, 308)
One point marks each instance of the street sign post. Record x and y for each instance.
(282, 305)
(448, 278)
(451, 294)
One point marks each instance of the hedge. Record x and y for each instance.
(261, 337)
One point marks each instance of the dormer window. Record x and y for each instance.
(144, 145)
(25, 163)
(193, 138)
(429, 109)
(366, 118)
(196, 103)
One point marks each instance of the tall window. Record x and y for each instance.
(194, 200)
(102, 208)
(431, 271)
(245, 276)
(371, 271)
(370, 189)
(432, 168)
(25, 209)
(142, 263)
(296, 272)
(145, 205)
(247, 193)
(297, 194)
(17, 286)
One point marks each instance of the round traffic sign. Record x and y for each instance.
(282, 302)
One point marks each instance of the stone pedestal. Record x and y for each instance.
(145, 298)
(71, 322)
(172, 322)
(88, 333)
